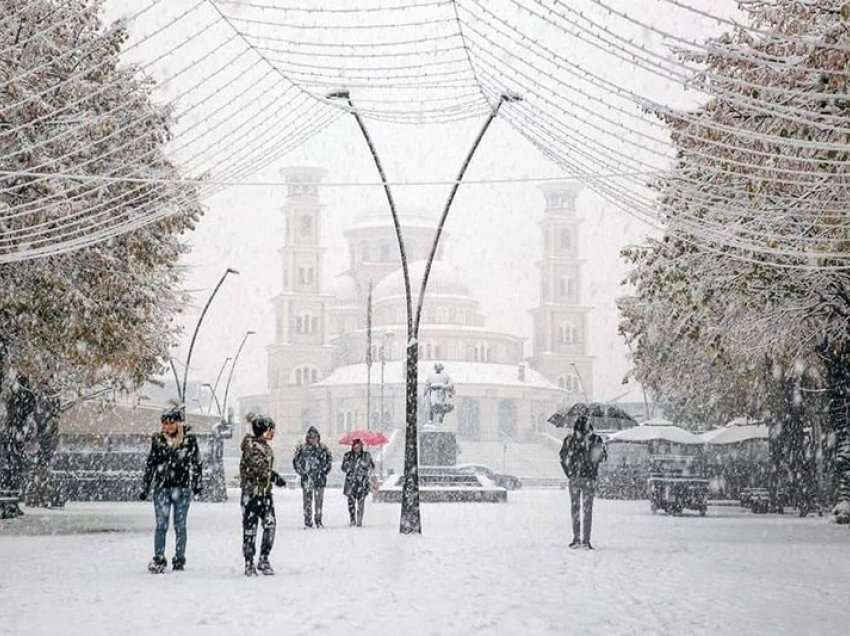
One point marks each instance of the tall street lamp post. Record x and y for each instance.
(225, 414)
(181, 388)
(411, 520)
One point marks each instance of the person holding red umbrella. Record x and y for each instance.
(357, 465)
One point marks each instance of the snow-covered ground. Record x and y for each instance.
(478, 569)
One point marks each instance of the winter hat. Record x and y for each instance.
(313, 431)
(173, 414)
(260, 423)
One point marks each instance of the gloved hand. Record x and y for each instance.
(279, 481)
(143, 495)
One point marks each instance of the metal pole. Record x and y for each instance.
(217, 378)
(176, 379)
(580, 381)
(215, 399)
(182, 390)
(230, 375)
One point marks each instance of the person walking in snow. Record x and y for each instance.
(357, 465)
(312, 461)
(174, 472)
(581, 454)
(257, 476)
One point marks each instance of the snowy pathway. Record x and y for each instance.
(478, 569)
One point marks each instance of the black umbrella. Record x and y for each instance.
(600, 416)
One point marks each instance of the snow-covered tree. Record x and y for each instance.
(101, 316)
(743, 292)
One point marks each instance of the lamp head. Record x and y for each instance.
(339, 94)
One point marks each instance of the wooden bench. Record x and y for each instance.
(9, 500)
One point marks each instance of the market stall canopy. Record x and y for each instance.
(740, 433)
(659, 430)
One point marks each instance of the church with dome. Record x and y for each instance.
(322, 371)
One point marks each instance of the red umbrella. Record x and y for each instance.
(369, 438)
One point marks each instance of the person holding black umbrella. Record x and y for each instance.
(581, 454)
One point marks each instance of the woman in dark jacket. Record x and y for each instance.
(174, 472)
(357, 465)
(257, 476)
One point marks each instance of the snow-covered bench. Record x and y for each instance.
(9, 500)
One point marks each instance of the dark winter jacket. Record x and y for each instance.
(581, 456)
(357, 467)
(313, 463)
(173, 467)
(256, 468)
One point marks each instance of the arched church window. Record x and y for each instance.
(565, 239)
(568, 334)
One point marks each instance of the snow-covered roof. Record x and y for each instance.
(650, 432)
(740, 433)
(460, 372)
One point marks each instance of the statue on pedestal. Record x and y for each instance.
(439, 390)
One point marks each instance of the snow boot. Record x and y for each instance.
(157, 565)
(250, 570)
(265, 567)
(575, 544)
(586, 545)
(178, 563)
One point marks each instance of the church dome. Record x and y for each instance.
(380, 218)
(443, 280)
(344, 290)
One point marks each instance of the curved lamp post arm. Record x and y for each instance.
(182, 388)
(346, 95)
(232, 369)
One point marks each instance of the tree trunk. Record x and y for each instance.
(47, 413)
(411, 521)
(20, 405)
(838, 392)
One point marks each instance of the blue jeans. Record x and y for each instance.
(163, 500)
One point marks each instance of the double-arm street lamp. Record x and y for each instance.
(411, 521)
(225, 414)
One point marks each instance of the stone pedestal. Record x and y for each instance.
(437, 448)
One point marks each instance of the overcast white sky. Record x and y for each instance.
(493, 234)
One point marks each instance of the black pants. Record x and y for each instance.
(581, 501)
(311, 496)
(356, 507)
(257, 509)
